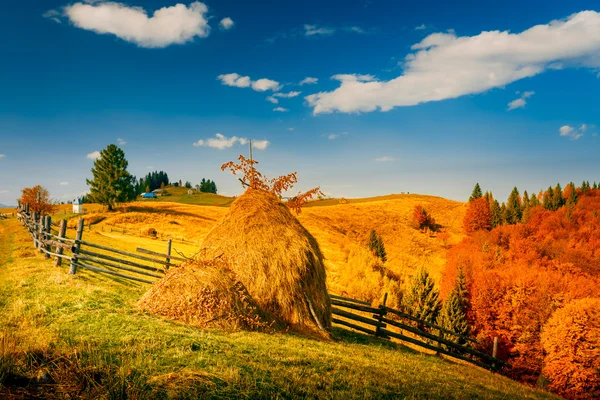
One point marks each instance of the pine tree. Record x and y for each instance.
(453, 315)
(585, 186)
(572, 199)
(513, 208)
(112, 183)
(525, 207)
(534, 201)
(548, 196)
(496, 213)
(476, 194)
(376, 246)
(380, 250)
(557, 198)
(422, 300)
(595, 187)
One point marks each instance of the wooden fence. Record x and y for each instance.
(386, 322)
(81, 254)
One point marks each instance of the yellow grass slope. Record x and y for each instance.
(341, 231)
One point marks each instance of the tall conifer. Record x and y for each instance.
(476, 194)
(422, 300)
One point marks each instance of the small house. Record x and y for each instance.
(149, 195)
(190, 191)
(78, 206)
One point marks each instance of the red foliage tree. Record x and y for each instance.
(478, 216)
(423, 219)
(252, 178)
(38, 199)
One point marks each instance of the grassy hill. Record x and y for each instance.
(341, 230)
(65, 336)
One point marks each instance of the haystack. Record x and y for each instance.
(276, 259)
(206, 295)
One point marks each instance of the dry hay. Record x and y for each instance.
(206, 295)
(275, 257)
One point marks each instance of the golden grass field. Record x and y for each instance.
(340, 229)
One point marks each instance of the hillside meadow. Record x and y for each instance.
(64, 336)
(341, 230)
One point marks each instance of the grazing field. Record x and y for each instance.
(341, 230)
(65, 336)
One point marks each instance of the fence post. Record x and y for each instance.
(61, 233)
(495, 349)
(169, 243)
(78, 237)
(380, 315)
(48, 230)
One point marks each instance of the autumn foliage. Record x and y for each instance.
(478, 216)
(423, 219)
(38, 199)
(518, 276)
(571, 343)
(252, 178)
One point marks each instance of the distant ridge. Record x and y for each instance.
(5, 206)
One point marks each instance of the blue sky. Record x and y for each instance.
(425, 99)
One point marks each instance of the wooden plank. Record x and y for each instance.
(124, 253)
(108, 264)
(438, 339)
(353, 306)
(364, 320)
(78, 236)
(106, 271)
(410, 317)
(353, 326)
(155, 253)
(431, 347)
(335, 296)
(120, 260)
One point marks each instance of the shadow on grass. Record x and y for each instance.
(165, 210)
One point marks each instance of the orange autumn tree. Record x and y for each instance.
(252, 178)
(571, 342)
(38, 199)
(478, 216)
(423, 219)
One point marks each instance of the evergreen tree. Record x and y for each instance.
(533, 201)
(496, 213)
(112, 183)
(453, 315)
(595, 187)
(213, 187)
(422, 299)
(585, 186)
(557, 198)
(572, 200)
(548, 196)
(476, 194)
(188, 185)
(375, 244)
(525, 207)
(503, 213)
(513, 208)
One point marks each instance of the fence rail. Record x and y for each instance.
(382, 319)
(146, 268)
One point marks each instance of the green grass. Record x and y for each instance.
(85, 335)
(180, 195)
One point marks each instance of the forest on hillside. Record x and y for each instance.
(532, 271)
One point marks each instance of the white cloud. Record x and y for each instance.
(571, 132)
(64, 183)
(265, 84)
(355, 29)
(521, 101)
(291, 129)
(420, 27)
(260, 85)
(222, 142)
(287, 95)
(311, 81)
(2, 156)
(280, 109)
(272, 100)
(445, 66)
(315, 30)
(177, 24)
(260, 144)
(333, 136)
(53, 15)
(234, 80)
(384, 159)
(121, 142)
(226, 23)
(93, 155)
